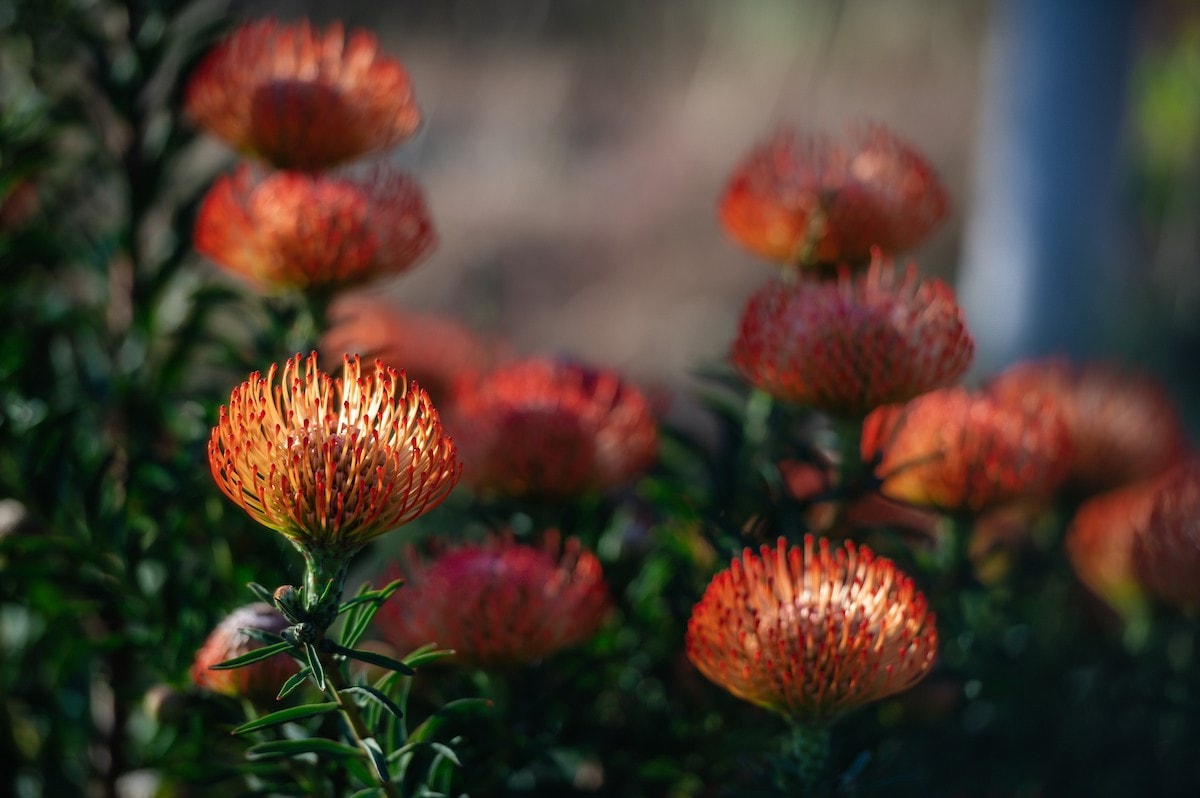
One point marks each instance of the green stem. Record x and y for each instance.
(810, 745)
(334, 684)
(324, 582)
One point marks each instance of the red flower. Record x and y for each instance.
(1100, 540)
(257, 681)
(548, 429)
(811, 632)
(302, 98)
(1123, 425)
(332, 463)
(498, 602)
(961, 451)
(849, 345)
(1166, 555)
(289, 230)
(816, 200)
(435, 351)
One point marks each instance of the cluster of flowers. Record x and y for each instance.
(809, 630)
(812, 631)
(333, 462)
(842, 331)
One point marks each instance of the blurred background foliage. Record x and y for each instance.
(572, 155)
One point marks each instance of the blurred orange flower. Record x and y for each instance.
(849, 345)
(497, 602)
(289, 230)
(1166, 555)
(258, 681)
(331, 463)
(1123, 425)
(542, 428)
(819, 200)
(810, 632)
(435, 351)
(1100, 540)
(300, 97)
(962, 451)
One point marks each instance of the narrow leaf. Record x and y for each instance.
(371, 658)
(252, 656)
(371, 694)
(314, 665)
(378, 761)
(293, 682)
(313, 745)
(286, 715)
(447, 752)
(261, 635)
(262, 593)
(431, 724)
(427, 654)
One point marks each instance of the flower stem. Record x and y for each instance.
(334, 684)
(810, 750)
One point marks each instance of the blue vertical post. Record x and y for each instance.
(1046, 238)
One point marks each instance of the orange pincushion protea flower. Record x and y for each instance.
(1100, 540)
(851, 345)
(332, 463)
(302, 98)
(810, 632)
(961, 451)
(1166, 555)
(437, 352)
(498, 602)
(543, 428)
(257, 681)
(289, 230)
(817, 200)
(1123, 426)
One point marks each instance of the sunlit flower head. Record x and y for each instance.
(258, 681)
(331, 463)
(812, 631)
(849, 345)
(1166, 555)
(437, 352)
(1123, 425)
(300, 97)
(819, 199)
(549, 429)
(290, 230)
(497, 602)
(1100, 540)
(961, 451)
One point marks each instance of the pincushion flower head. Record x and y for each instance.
(1166, 555)
(498, 602)
(816, 199)
(258, 681)
(549, 429)
(300, 97)
(290, 230)
(962, 451)
(849, 345)
(1100, 540)
(812, 631)
(1123, 425)
(331, 463)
